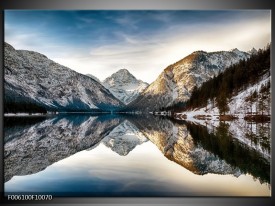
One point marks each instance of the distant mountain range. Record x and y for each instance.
(177, 81)
(33, 79)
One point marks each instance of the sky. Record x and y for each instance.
(144, 42)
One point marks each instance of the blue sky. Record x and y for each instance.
(144, 42)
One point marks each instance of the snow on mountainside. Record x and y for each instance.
(32, 77)
(238, 104)
(124, 86)
(177, 81)
(124, 138)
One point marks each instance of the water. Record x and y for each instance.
(112, 155)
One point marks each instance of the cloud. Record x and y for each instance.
(146, 57)
(146, 51)
(125, 21)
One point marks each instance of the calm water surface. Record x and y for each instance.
(110, 155)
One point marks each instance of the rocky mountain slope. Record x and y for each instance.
(32, 78)
(124, 86)
(177, 81)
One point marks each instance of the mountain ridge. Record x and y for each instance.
(33, 78)
(176, 82)
(44, 83)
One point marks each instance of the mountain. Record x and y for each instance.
(245, 77)
(124, 86)
(34, 81)
(124, 138)
(176, 82)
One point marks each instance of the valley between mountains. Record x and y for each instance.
(35, 84)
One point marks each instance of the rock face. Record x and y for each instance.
(177, 81)
(124, 138)
(31, 77)
(124, 86)
(31, 149)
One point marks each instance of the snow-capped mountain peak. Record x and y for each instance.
(124, 86)
(239, 53)
(121, 76)
(235, 50)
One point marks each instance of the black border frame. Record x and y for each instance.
(134, 5)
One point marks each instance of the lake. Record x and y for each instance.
(135, 155)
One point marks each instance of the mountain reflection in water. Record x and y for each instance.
(202, 151)
(34, 144)
(30, 150)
